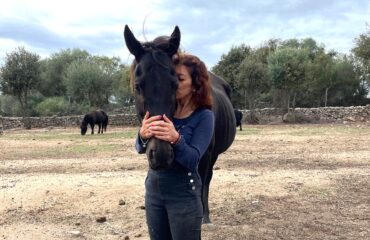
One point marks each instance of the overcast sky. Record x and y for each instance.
(209, 28)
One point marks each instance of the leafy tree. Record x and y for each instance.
(291, 43)
(312, 48)
(228, 66)
(320, 77)
(253, 78)
(362, 45)
(346, 90)
(118, 74)
(110, 66)
(20, 74)
(362, 52)
(88, 82)
(287, 68)
(122, 91)
(363, 77)
(54, 69)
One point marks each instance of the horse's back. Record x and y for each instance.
(97, 116)
(224, 114)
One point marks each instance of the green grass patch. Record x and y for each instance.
(74, 150)
(60, 136)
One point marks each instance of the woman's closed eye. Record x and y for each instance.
(181, 77)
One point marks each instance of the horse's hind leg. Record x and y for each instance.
(100, 130)
(92, 128)
(205, 171)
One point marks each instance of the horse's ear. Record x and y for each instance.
(174, 42)
(133, 45)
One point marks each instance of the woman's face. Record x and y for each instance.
(185, 87)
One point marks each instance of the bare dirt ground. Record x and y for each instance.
(275, 182)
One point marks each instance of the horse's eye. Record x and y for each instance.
(137, 88)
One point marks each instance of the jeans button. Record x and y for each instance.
(191, 180)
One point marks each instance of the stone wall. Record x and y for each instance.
(323, 114)
(266, 116)
(67, 121)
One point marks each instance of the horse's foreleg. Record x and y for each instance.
(100, 130)
(92, 128)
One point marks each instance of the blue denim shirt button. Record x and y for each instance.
(189, 173)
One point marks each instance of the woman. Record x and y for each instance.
(173, 196)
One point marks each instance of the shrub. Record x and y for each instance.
(52, 106)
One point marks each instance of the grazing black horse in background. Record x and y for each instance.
(95, 117)
(155, 83)
(238, 118)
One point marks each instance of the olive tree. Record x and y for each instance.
(20, 75)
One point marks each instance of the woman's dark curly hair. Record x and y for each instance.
(202, 96)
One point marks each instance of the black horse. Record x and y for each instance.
(155, 91)
(95, 117)
(238, 118)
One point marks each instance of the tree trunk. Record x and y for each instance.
(326, 97)
(293, 103)
(287, 101)
(252, 118)
(25, 112)
(245, 98)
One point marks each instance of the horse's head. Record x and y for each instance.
(155, 84)
(83, 127)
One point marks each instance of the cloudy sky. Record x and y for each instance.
(208, 28)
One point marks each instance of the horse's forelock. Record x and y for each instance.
(159, 57)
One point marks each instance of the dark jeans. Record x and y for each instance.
(173, 204)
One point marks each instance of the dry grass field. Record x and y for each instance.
(275, 182)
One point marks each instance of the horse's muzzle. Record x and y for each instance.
(160, 154)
